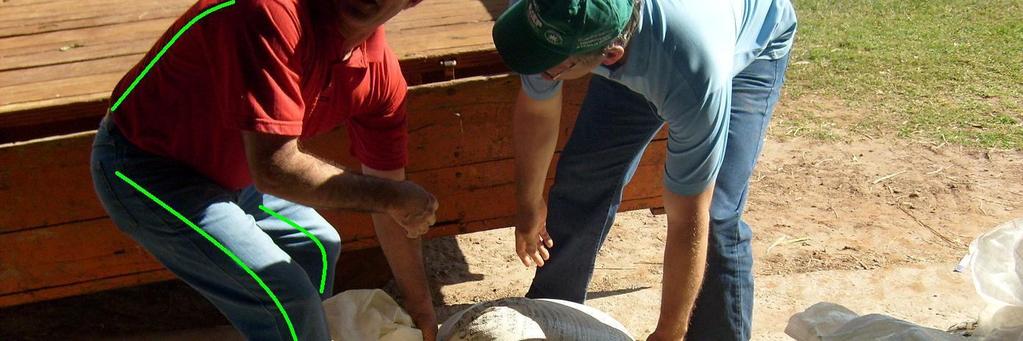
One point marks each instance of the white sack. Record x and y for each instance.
(368, 315)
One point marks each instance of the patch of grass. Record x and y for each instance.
(942, 70)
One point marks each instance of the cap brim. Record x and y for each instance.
(520, 49)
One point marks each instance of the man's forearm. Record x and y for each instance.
(535, 137)
(405, 257)
(685, 259)
(305, 179)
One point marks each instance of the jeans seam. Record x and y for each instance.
(106, 179)
(318, 274)
(252, 293)
(209, 259)
(737, 308)
(120, 154)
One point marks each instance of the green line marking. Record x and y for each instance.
(323, 252)
(216, 243)
(167, 47)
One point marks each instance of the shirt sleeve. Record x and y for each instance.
(538, 88)
(267, 65)
(379, 138)
(697, 135)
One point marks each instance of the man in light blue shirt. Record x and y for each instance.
(709, 70)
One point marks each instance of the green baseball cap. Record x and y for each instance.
(536, 35)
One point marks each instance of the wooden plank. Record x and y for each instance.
(91, 284)
(438, 139)
(467, 196)
(86, 287)
(52, 176)
(68, 254)
(434, 13)
(409, 37)
(459, 146)
(68, 66)
(44, 17)
(442, 40)
(83, 73)
(465, 193)
(91, 77)
(81, 252)
(57, 116)
(93, 43)
(47, 184)
(54, 173)
(461, 122)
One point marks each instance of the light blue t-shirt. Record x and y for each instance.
(682, 59)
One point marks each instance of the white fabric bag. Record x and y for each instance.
(368, 315)
(996, 265)
(832, 322)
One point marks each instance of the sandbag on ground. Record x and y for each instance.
(514, 319)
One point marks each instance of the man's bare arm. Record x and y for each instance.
(279, 168)
(405, 257)
(535, 132)
(685, 259)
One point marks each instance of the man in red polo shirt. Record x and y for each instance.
(209, 121)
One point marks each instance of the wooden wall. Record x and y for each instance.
(56, 241)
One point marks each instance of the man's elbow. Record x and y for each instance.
(266, 154)
(266, 180)
(270, 173)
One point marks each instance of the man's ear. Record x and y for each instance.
(613, 54)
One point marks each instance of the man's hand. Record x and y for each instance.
(531, 238)
(414, 209)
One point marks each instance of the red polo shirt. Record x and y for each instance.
(270, 66)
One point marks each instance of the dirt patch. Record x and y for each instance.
(868, 204)
(814, 207)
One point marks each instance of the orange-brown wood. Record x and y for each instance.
(460, 149)
(31, 17)
(35, 294)
(454, 123)
(34, 291)
(68, 254)
(59, 59)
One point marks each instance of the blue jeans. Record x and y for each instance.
(613, 129)
(286, 260)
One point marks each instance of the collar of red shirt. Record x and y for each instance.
(370, 51)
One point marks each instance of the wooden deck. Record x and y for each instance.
(59, 60)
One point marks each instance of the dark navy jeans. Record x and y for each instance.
(614, 127)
